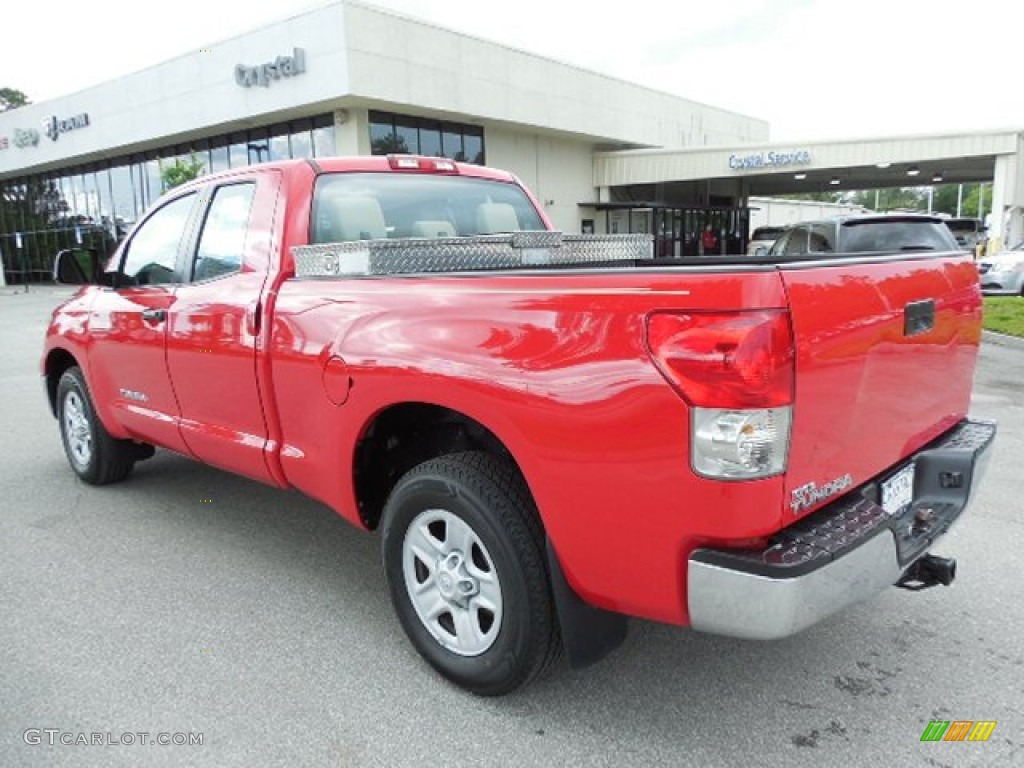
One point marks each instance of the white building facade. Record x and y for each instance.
(342, 79)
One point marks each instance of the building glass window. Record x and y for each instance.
(67, 195)
(259, 146)
(323, 136)
(238, 153)
(106, 203)
(201, 152)
(473, 144)
(58, 209)
(153, 185)
(123, 198)
(165, 162)
(5, 226)
(91, 189)
(407, 140)
(219, 159)
(430, 138)
(451, 142)
(279, 149)
(138, 171)
(382, 135)
(405, 133)
(301, 139)
(12, 221)
(76, 198)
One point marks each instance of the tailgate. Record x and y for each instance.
(885, 359)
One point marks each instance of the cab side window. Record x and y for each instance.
(152, 254)
(222, 240)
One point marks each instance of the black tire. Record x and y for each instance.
(100, 459)
(487, 495)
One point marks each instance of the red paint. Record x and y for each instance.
(558, 366)
(868, 395)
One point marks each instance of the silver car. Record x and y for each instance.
(1003, 272)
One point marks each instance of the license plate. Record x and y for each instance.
(898, 491)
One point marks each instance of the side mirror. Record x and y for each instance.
(760, 252)
(76, 266)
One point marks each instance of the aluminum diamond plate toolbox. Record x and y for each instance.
(516, 250)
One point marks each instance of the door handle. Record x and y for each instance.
(154, 315)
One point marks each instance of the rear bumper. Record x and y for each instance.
(843, 553)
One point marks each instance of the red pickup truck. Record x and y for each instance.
(551, 432)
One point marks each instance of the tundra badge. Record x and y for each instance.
(809, 494)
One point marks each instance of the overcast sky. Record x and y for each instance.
(812, 68)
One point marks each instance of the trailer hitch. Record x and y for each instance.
(928, 571)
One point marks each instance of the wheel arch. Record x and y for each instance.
(58, 360)
(403, 435)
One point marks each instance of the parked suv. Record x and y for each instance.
(885, 233)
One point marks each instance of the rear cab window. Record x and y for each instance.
(372, 206)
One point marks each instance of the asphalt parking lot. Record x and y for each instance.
(189, 601)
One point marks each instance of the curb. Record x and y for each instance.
(1002, 340)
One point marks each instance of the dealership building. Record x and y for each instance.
(600, 154)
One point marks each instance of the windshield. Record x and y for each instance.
(370, 206)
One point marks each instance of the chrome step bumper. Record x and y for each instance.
(842, 554)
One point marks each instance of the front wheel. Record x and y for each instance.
(464, 559)
(93, 454)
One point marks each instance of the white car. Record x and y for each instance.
(1003, 272)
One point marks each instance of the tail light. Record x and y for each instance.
(725, 359)
(736, 370)
(422, 164)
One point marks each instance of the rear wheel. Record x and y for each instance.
(93, 454)
(464, 558)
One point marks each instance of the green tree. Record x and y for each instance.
(893, 198)
(970, 206)
(181, 171)
(944, 199)
(946, 196)
(12, 98)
